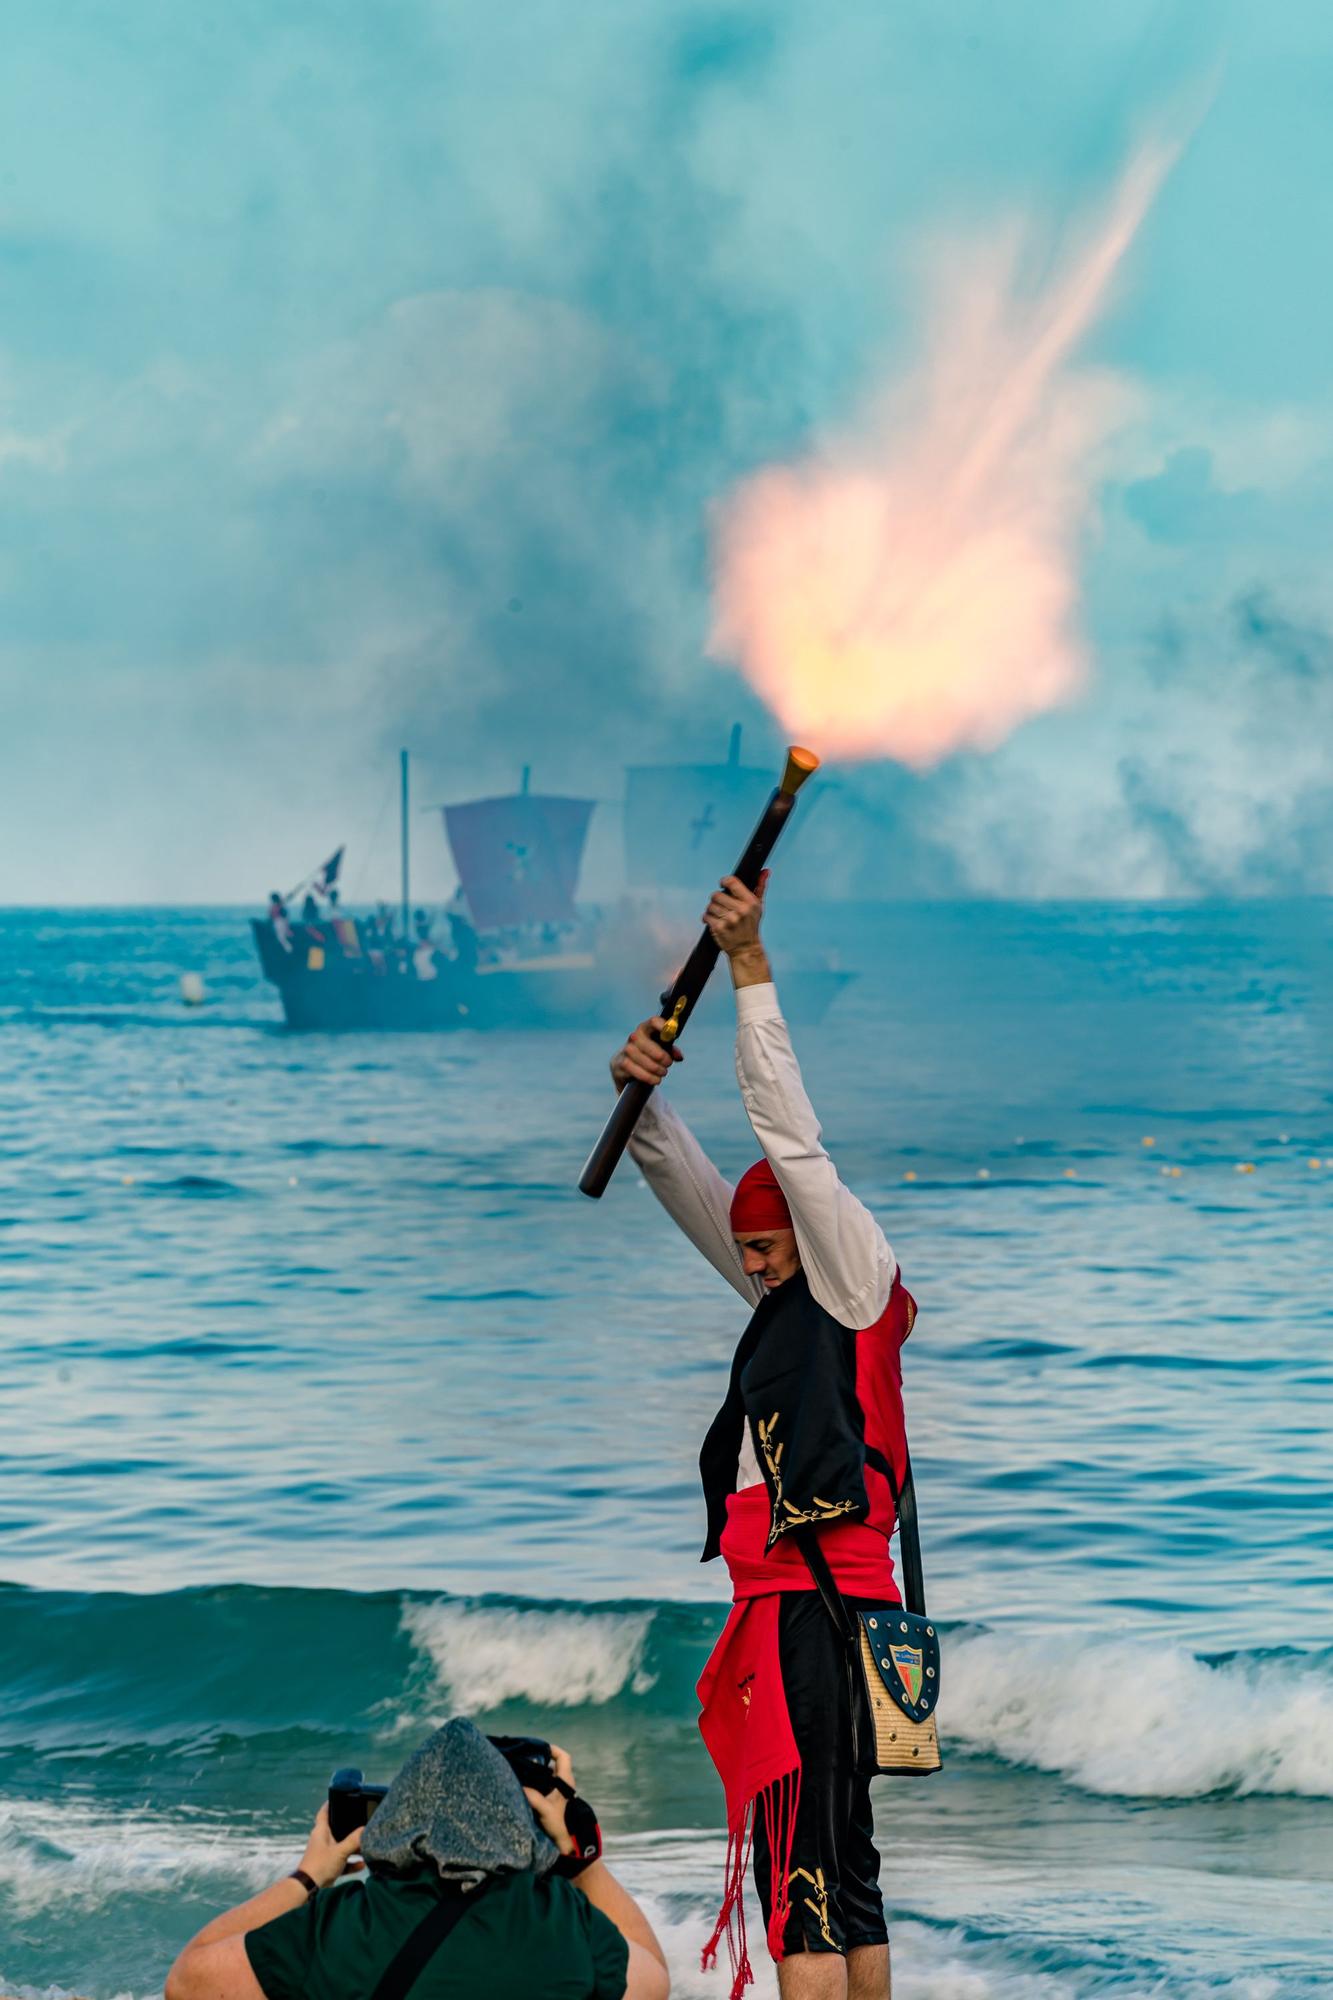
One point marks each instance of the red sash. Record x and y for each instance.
(744, 1720)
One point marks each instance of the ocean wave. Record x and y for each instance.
(1137, 1718)
(484, 1655)
(201, 1186)
(193, 1671)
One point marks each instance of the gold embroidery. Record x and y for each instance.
(818, 1512)
(772, 1454)
(818, 1902)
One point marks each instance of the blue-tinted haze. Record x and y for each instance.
(366, 376)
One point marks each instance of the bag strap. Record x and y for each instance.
(909, 1543)
(909, 1548)
(413, 1956)
(807, 1541)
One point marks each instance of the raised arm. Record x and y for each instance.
(844, 1253)
(675, 1165)
(215, 1964)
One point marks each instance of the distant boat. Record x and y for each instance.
(520, 952)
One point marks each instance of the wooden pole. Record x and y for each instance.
(681, 997)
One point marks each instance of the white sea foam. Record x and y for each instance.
(1135, 1718)
(945, 1965)
(72, 1852)
(930, 1962)
(483, 1655)
(14, 1989)
(73, 1856)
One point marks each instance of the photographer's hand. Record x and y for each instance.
(326, 1859)
(550, 1806)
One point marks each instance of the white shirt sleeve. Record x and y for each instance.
(844, 1254)
(690, 1189)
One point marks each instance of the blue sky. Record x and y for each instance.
(366, 376)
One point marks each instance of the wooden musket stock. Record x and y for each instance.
(682, 996)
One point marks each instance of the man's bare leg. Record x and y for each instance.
(868, 1975)
(821, 1975)
(813, 1975)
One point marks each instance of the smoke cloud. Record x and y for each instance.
(1183, 794)
(362, 387)
(911, 589)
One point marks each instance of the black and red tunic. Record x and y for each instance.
(825, 1404)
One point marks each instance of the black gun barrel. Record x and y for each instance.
(682, 996)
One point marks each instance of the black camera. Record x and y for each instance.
(530, 1759)
(352, 1800)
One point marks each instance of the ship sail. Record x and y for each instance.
(686, 823)
(518, 857)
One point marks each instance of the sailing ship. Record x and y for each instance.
(520, 950)
(679, 818)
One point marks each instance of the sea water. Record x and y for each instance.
(330, 1408)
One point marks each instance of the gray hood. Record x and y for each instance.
(457, 1807)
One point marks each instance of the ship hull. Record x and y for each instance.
(335, 995)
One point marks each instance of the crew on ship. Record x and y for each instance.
(278, 917)
(810, 1436)
(423, 951)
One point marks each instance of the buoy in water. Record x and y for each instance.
(192, 990)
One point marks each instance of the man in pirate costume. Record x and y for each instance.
(809, 1438)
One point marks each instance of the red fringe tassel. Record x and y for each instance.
(731, 1917)
(778, 1805)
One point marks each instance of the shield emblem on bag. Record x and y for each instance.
(907, 1659)
(902, 1651)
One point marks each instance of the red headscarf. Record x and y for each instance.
(759, 1202)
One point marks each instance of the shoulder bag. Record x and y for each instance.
(893, 1648)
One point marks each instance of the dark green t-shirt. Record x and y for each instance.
(527, 1939)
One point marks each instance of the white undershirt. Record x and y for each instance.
(747, 1465)
(844, 1255)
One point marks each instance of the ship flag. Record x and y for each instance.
(327, 876)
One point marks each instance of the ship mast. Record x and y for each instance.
(407, 900)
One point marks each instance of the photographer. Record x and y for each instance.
(474, 1885)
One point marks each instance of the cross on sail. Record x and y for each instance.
(685, 822)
